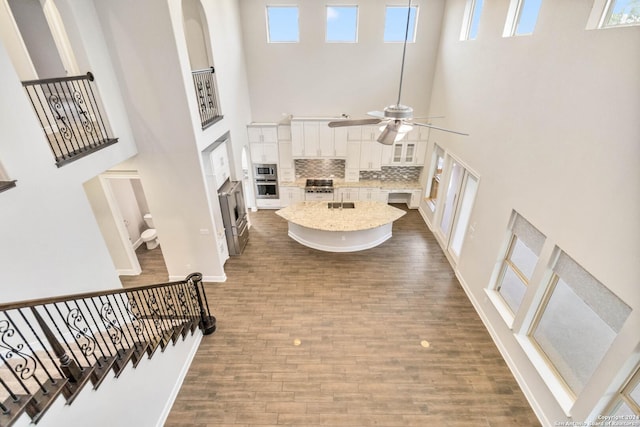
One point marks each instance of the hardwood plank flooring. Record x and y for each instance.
(154, 270)
(309, 338)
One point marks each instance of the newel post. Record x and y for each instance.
(67, 365)
(207, 321)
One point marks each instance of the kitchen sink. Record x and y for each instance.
(338, 205)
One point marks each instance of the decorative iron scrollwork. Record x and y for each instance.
(114, 330)
(82, 333)
(25, 365)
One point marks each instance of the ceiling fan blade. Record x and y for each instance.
(438, 128)
(355, 122)
(378, 114)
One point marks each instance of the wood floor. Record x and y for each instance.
(381, 337)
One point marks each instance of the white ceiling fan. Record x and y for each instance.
(398, 117)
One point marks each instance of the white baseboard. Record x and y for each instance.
(176, 388)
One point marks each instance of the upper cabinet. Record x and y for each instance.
(263, 142)
(311, 138)
(220, 164)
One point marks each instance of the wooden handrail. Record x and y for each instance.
(50, 300)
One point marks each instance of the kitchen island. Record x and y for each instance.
(336, 227)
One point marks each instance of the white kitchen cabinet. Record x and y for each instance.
(263, 143)
(370, 132)
(220, 164)
(348, 194)
(315, 139)
(418, 133)
(318, 197)
(370, 194)
(404, 153)
(370, 155)
(286, 167)
(354, 133)
(264, 152)
(340, 142)
(416, 195)
(290, 195)
(352, 163)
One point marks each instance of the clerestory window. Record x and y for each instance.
(282, 24)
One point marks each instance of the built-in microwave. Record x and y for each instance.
(268, 172)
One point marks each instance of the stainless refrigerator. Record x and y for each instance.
(234, 215)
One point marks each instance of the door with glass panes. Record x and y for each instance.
(454, 207)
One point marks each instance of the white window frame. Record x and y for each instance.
(467, 21)
(274, 6)
(623, 396)
(516, 222)
(545, 367)
(433, 169)
(513, 18)
(415, 22)
(600, 13)
(326, 29)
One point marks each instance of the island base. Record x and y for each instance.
(340, 241)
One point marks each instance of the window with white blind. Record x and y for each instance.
(519, 261)
(576, 323)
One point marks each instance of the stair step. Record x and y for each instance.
(71, 390)
(101, 371)
(121, 361)
(140, 350)
(166, 339)
(40, 401)
(15, 408)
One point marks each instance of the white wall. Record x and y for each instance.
(314, 78)
(162, 105)
(553, 119)
(51, 242)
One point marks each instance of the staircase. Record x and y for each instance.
(58, 346)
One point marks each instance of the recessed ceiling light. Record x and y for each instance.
(297, 342)
(425, 343)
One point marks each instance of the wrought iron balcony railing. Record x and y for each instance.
(56, 346)
(207, 93)
(70, 116)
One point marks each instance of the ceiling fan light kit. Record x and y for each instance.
(397, 117)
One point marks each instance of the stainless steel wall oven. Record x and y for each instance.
(266, 178)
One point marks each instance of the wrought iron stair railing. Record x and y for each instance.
(58, 345)
(69, 112)
(204, 82)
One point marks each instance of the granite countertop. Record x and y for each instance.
(317, 215)
(374, 183)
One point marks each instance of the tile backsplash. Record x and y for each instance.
(334, 168)
(319, 168)
(394, 173)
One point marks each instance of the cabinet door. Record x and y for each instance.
(326, 143)
(409, 155)
(370, 132)
(297, 139)
(270, 134)
(270, 152)
(284, 155)
(354, 133)
(421, 153)
(353, 155)
(311, 138)
(371, 155)
(254, 134)
(340, 142)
